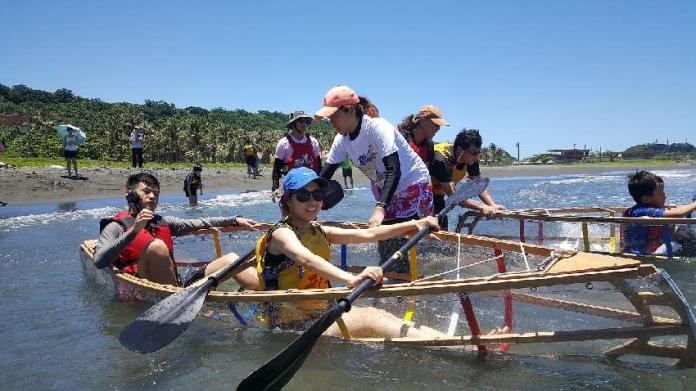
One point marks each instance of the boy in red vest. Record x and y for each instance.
(139, 241)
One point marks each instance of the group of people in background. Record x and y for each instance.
(71, 141)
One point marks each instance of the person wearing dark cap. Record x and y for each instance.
(192, 183)
(296, 149)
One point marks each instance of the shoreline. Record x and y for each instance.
(25, 186)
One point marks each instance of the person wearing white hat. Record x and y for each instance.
(296, 149)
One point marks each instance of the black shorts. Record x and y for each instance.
(347, 171)
(194, 190)
(250, 161)
(70, 154)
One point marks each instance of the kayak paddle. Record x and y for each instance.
(166, 320)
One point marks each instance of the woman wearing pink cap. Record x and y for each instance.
(399, 178)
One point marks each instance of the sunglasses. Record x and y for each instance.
(303, 195)
(304, 121)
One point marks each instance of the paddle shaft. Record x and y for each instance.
(367, 284)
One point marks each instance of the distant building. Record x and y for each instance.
(570, 155)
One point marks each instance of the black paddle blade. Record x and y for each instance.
(274, 374)
(332, 195)
(165, 321)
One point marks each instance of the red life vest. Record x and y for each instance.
(128, 259)
(302, 154)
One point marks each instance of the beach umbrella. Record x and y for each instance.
(63, 131)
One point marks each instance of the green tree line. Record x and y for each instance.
(191, 134)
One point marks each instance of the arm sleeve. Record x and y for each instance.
(439, 171)
(180, 227)
(112, 241)
(275, 176)
(474, 170)
(393, 168)
(329, 170)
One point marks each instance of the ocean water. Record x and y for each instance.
(60, 330)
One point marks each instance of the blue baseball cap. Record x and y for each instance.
(298, 178)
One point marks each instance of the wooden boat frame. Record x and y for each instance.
(613, 217)
(561, 268)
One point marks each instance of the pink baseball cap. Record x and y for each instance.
(335, 98)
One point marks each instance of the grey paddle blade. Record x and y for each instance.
(274, 374)
(333, 194)
(165, 321)
(468, 188)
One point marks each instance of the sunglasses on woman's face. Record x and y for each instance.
(305, 121)
(303, 195)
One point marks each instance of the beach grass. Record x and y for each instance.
(43, 162)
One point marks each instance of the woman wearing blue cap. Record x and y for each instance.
(294, 254)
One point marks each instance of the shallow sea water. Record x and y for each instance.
(60, 331)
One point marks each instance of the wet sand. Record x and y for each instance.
(41, 185)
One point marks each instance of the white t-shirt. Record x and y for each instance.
(377, 139)
(284, 149)
(136, 139)
(70, 143)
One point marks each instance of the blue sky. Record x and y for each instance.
(548, 74)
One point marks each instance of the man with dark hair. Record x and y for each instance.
(139, 241)
(452, 163)
(648, 191)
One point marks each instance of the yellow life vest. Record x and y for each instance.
(445, 153)
(249, 151)
(285, 273)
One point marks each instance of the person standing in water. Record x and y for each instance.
(399, 179)
(451, 164)
(70, 142)
(192, 183)
(296, 149)
(347, 171)
(251, 156)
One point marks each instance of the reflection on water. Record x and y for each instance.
(58, 324)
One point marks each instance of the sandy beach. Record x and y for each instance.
(42, 185)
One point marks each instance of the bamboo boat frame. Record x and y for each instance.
(564, 267)
(470, 219)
